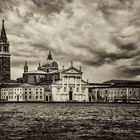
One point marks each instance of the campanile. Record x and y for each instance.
(5, 72)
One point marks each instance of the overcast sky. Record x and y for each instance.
(103, 36)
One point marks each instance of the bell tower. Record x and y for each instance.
(5, 72)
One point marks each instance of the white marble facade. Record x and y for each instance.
(70, 87)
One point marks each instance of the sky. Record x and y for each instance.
(102, 36)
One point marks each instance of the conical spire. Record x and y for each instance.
(39, 66)
(25, 67)
(50, 55)
(3, 36)
(25, 63)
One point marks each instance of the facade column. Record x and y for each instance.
(67, 87)
(62, 84)
(74, 84)
(80, 89)
(80, 85)
(96, 99)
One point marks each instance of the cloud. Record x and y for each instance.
(95, 34)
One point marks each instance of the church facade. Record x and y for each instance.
(5, 73)
(70, 87)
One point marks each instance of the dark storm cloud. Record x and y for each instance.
(6, 5)
(130, 46)
(50, 6)
(94, 33)
(129, 71)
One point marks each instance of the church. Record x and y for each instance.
(62, 84)
(71, 86)
(48, 83)
(45, 73)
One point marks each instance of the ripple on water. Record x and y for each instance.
(69, 121)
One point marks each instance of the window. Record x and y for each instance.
(36, 97)
(58, 90)
(64, 89)
(83, 90)
(40, 97)
(29, 97)
(77, 90)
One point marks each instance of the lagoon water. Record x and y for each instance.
(76, 121)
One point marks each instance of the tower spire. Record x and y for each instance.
(50, 55)
(25, 67)
(39, 66)
(3, 36)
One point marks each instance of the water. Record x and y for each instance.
(40, 121)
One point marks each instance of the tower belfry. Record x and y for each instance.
(5, 72)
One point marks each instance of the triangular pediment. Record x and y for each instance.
(72, 70)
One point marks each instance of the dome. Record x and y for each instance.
(49, 64)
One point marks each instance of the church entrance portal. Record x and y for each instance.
(70, 96)
(18, 98)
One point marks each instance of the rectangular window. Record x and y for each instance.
(58, 90)
(83, 90)
(64, 89)
(36, 97)
(29, 97)
(77, 90)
